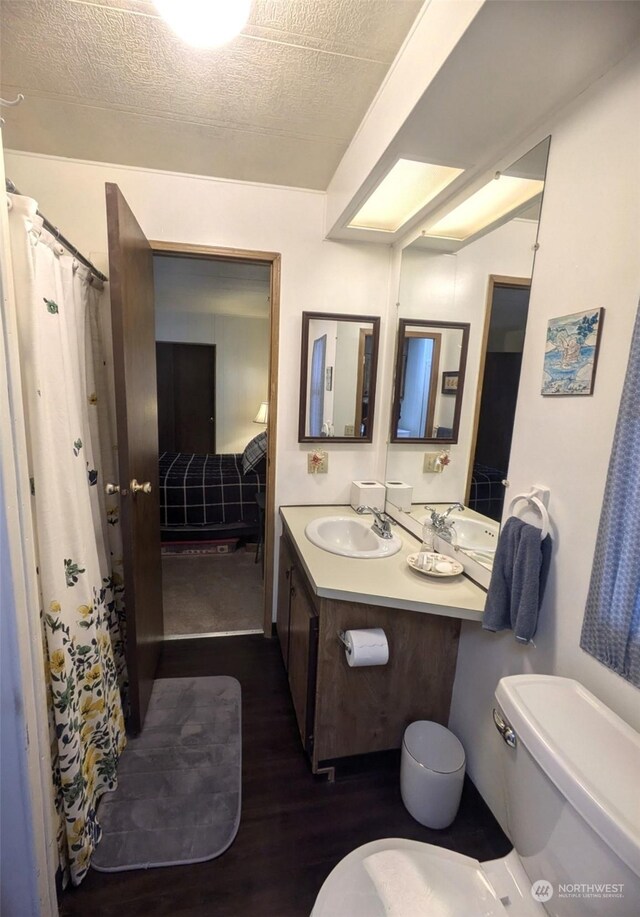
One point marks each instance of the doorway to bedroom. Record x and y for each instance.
(213, 330)
(501, 362)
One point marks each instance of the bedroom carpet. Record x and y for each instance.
(179, 781)
(212, 593)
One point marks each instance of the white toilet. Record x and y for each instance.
(571, 773)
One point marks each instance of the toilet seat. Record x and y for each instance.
(395, 877)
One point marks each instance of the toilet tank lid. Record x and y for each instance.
(586, 750)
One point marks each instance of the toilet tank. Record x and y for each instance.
(572, 788)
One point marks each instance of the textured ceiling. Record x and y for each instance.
(109, 81)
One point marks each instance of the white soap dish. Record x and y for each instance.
(432, 564)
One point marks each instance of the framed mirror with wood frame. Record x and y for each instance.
(431, 359)
(338, 372)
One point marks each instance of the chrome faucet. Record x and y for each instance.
(458, 506)
(440, 522)
(383, 523)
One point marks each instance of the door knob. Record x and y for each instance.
(145, 487)
(112, 489)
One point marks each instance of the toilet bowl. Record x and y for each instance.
(570, 769)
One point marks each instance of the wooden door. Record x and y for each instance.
(134, 357)
(186, 397)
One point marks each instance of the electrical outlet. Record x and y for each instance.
(349, 430)
(430, 465)
(317, 462)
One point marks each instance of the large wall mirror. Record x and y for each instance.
(431, 358)
(339, 359)
(479, 275)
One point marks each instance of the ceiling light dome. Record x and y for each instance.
(205, 23)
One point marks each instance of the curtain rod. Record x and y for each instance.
(11, 188)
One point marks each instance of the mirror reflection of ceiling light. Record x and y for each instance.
(205, 23)
(493, 201)
(405, 190)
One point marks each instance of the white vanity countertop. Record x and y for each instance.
(387, 581)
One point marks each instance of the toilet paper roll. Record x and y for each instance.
(366, 647)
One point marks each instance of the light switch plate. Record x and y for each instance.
(315, 467)
(430, 465)
(349, 430)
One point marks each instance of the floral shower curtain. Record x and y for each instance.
(78, 539)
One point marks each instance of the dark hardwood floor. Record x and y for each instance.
(294, 828)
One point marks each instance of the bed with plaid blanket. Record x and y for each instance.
(207, 491)
(487, 491)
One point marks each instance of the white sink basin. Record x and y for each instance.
(475, 534)
(350, 537)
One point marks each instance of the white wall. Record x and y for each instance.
(317, 275)
(346, 376)
(588, 257)
(242, 363)
(441, 287)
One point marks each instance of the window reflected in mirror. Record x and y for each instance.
(339, 357)
(430, 366)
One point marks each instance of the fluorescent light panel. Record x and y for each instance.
(405, 190)
(493, 201)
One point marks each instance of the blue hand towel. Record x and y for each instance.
(518, 579)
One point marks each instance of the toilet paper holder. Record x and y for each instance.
(342, 640)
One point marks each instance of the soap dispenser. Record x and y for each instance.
(428, 536)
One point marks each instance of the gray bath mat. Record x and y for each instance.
(179, 781)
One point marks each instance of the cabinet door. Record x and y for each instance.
(285, 575)
(303, 655)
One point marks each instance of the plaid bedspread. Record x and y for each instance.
(487, 490)
(205, 490)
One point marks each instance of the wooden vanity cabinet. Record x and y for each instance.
(303, 657)
(285, 572)
(343, 711)
(297, 628)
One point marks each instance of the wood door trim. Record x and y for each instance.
(250, 256)
(433, 383)
(360, 379)
(185, 250)
(270, 508)
(495, 280)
